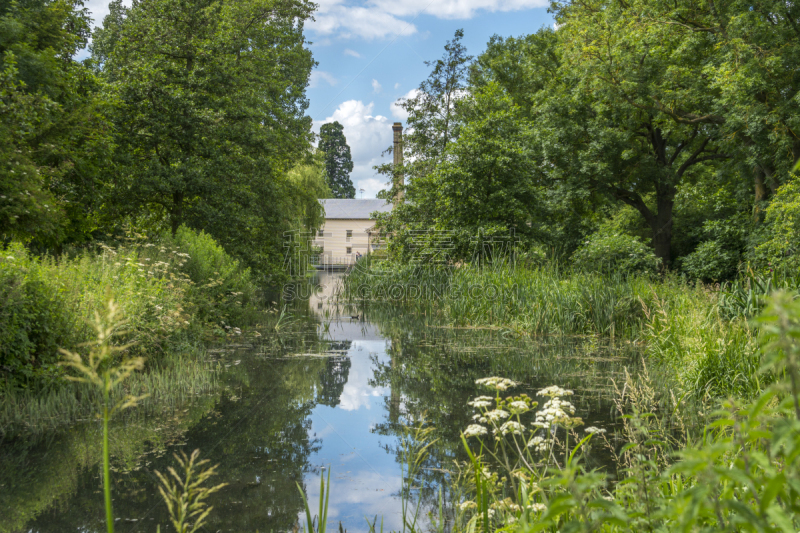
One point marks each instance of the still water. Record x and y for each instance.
(331, 388)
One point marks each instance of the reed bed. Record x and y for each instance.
(683, 330)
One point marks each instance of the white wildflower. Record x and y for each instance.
(518, 406)
(592, 429)
(554, 391)
(474, 430)
(537, 507)
(496, 383)
(496, 415)
(465, 506)
(511, 427)
(538, 443)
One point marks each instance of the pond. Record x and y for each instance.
(330, 388)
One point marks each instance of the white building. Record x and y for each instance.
(348, 230)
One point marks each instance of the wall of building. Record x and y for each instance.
(335, 243)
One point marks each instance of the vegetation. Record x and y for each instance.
(338, 162)
(663, 122)
(176, 290)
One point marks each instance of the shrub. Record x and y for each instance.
(220, 287)
(163, 288)
(33, 319)
(711, 261)
(779, 249)
(615, 253)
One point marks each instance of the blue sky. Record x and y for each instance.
(371, 53)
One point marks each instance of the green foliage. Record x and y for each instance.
(34, 319)
(711, 261)
(28, 208)
(737, 472)
(779, 248)
(616, 253)
(54, 139)
(209, 117)
(220, 288)
(337, 159)
(167, 290)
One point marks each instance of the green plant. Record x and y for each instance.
(185, 497)
(322, 517)
(615, 253)
(105, 371)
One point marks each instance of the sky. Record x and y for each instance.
(371, 53)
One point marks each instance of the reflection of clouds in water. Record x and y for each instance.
(357, 392)
(369, 491)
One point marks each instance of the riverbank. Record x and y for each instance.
(175, 292)
(706, 349)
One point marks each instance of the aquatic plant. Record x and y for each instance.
(322, 518)
(738, 472)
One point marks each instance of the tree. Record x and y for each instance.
(54, 139)
(432, 126)
(210, 117)
(338, 163)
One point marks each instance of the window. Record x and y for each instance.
(349, 236)
(349, 250)
(320, 233)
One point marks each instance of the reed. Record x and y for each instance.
(683, 328)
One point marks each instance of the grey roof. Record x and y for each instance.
(354, 209)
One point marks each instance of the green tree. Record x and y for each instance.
(338, 163)
(209, 117)
(54, 139)
(432, 112)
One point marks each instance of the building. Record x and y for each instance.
(347, 231)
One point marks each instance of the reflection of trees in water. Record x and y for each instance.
(332, 379)
(257, 430)
(432, 375)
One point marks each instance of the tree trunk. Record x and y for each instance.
(761, 193)
(176, 213)
(661, 225)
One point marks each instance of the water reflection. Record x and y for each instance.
(330, 390)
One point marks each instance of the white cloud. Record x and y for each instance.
(397, 85)
(377, 19)
(454, 9)
(353, 53)
(99, 9)
(376, 86)
(321, 75)
(334, 17)
(368, 135)
(398, 112)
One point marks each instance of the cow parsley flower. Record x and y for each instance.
(474, 430)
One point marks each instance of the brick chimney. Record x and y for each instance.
(397, 151)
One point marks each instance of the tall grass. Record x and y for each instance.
(682, 327)
(174, 290)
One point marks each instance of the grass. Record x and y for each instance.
(704, 349)
(175, 292)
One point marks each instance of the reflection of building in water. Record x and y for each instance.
(323, 294)
(348, 230)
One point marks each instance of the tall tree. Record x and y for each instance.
(432, 116)
(595, 124)
(338, 163)
(210, 116)
(432, 126)
(53, 137)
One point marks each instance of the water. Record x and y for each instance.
(325, 392)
